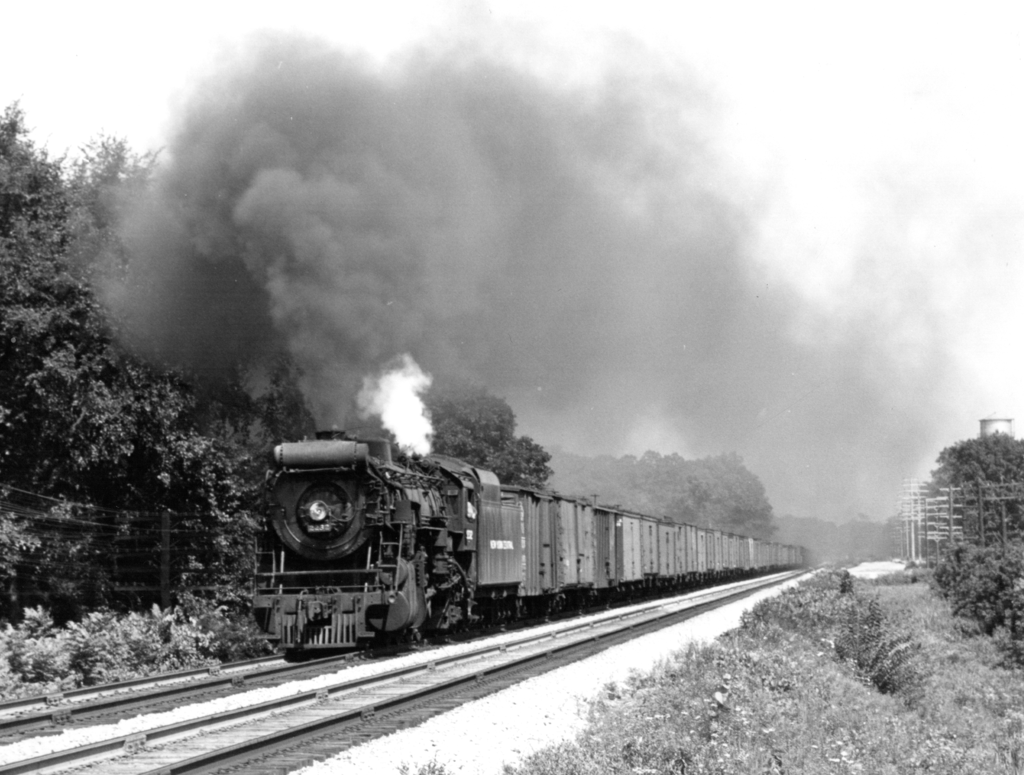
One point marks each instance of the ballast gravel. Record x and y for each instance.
(481, 737)
(39, 746)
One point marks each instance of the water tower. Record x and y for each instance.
(991, 427)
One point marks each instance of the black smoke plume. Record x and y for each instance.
(568, 246)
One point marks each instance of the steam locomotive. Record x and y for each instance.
(367, 543)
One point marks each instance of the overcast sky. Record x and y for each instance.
(872, 155)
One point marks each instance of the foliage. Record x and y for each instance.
(885, 658)
(430, 768)
(911, 576)
(772, 698)
(17, 542)
(994, 458)
(811, 608)
(986, 587)
(106, 179)
(232, 634)
(980, 583)
(71, 565)
(473, 425)
(38, 657)
(716, 491)
(831, 609)
(84, 419)
(990, 459)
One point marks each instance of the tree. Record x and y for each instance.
(46, 307)
(715, 492)
(478, 427)
(103, 183)
(723, 492)
(81, 417)
(994, 459)
(991, 459)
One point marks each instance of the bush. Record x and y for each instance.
(885, 658)
(233, 634)
(37, 657)
(811, 607)
(899, 578)
(986, 586)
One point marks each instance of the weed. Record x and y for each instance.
(845, 583)
(430, 768)
(885, 658)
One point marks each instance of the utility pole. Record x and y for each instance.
(981, 514)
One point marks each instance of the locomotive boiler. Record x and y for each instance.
(365, 542)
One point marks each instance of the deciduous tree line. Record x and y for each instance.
(82, 418)
(718, 491)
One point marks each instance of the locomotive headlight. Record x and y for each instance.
(324, 510)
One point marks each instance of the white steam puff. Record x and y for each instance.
(394, 396)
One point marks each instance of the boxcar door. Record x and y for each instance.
(568, 544)
(586, 544)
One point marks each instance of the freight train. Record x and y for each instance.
(365, 544)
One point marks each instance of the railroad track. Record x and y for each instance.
(51, 714)
(283, 733)
(13, 708)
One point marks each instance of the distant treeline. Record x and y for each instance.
(717, 491)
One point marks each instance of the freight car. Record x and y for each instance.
(366, 543)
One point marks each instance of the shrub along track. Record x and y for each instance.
(288, 732)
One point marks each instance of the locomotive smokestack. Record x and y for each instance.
(380, 449)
